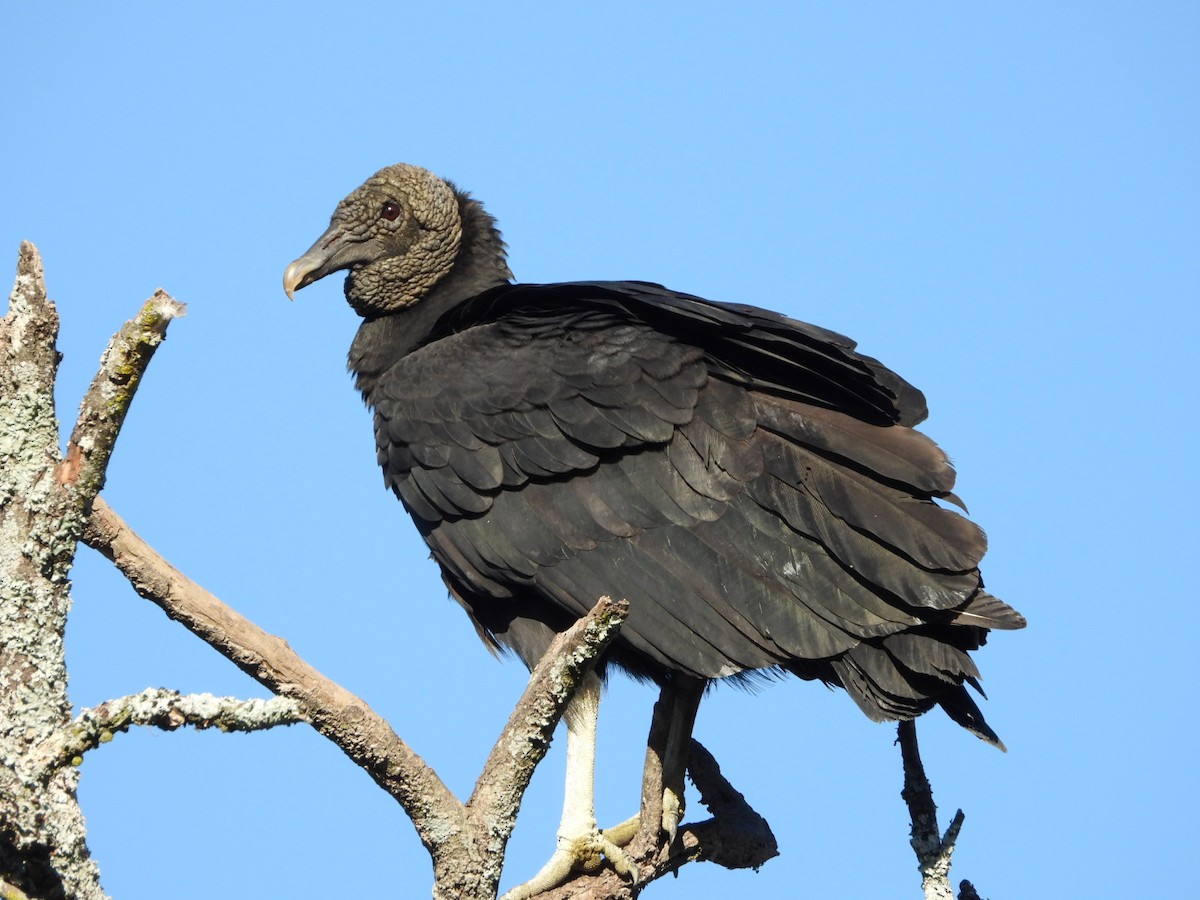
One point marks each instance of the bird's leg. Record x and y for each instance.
(667, 750)
(684, 699)
(581, 845)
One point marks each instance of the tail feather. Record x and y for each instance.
(987, 611)
(962, 709)
(905, 675)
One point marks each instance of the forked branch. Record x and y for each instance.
(933, 848)
(335, 712)
(467, 849)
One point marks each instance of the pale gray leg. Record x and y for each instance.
(581, 845)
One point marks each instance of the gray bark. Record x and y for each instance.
(45, 499)
(43, 851)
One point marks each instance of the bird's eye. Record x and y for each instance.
(390, 211)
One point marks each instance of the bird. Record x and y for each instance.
(752, 485)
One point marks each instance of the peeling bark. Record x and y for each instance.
(44, 500)
(43, 852)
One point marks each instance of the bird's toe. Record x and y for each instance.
(579, 853)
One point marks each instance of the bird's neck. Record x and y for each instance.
(481, 264)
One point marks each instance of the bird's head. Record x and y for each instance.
(399, 235)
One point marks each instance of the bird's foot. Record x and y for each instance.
(625, 832)
(584, 852)
(672, 813)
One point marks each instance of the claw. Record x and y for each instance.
(672, 814)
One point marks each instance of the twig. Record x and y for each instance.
(104, 406)
(933, 849)
(166, 710)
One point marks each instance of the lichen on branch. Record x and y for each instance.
(107, 401)
(166, 710)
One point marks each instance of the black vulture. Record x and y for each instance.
(751, 484)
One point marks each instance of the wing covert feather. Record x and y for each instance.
(754, 500)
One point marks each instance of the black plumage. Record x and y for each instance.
(751, 484)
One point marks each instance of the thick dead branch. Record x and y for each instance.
(42, 505)
(165, 710)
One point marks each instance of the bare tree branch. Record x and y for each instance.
(466, 842)
(164, 709)
(32, 327)
(526, 737)
(107, 400)
(933, 849)
(473, 869)
(42, 504)
(467, 849)
(736, 837)
(335, 712)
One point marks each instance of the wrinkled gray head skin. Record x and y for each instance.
(398, 235)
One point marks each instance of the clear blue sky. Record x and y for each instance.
(998, 201)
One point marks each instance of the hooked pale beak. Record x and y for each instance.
(333, 250)
(298, 274)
